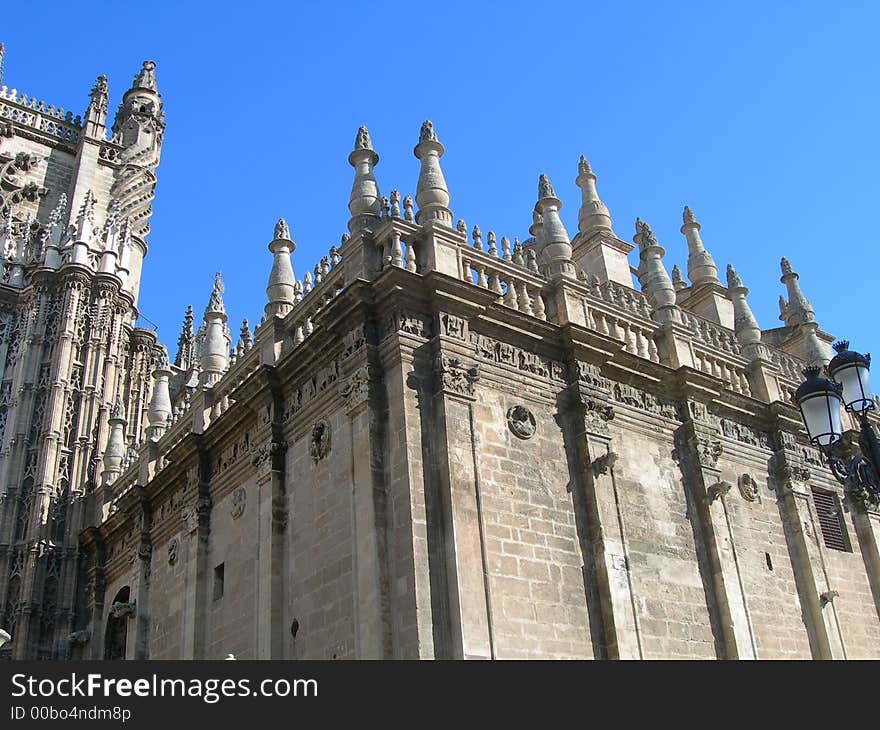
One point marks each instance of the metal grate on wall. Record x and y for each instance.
(831, 520)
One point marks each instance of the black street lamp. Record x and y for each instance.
(820, 399)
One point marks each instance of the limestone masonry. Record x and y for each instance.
(437, 443)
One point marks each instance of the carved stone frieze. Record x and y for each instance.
(452, 326)
(310, 390)
(644, 401)
(596, 416)
(355, 391)
(590, 377)
(457, 377)
(745, 434)
(408, 322)
(231, 454)
(707, 450)
(267, 457)
(353, 340)
(486, 348)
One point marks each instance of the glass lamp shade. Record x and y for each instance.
(819, 400)
(851, 369)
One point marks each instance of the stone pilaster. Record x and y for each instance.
(791, 478)
(699, 449)
(369, 511)
(469, 608)
(605, 542)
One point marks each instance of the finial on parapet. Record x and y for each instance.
(279, 289)
(556, 251)
(537, 223)
(700, 265)
(365, 202)
(162, 359)
(395, 204)
(426, 133)
(408, 214)
(118, 411)
(584, 166)
(245, 339)
(593, 215)
(146, 77)
(362, 140)
(545, 189)
(215, 303)
(748, 333)
(733, 280)
(282, 232)
(214, 350)
(798, 310)
(432, 195)
(461, 227)
(644, 235)
(478, 238)
(653, 277)
(678, 281)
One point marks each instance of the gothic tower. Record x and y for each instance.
(75, 205)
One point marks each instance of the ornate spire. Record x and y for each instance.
(214, 352)
(593, 215)
(94, 124)
(365, 203)
(279, 290)
(748, 333)
(432, 195)
(184, 357)
(701, 268)
(654, 280)
(556, 251)
(138, 126)
(798, 310)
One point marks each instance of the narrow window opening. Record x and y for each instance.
(769, 561)
(218, 581)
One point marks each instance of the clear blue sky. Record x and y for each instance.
(763, 117)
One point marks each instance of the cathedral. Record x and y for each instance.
(438, 443)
